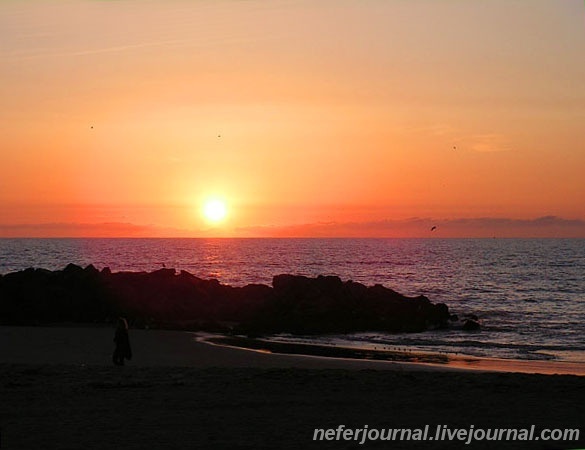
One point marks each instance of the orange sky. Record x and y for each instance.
(329, 118)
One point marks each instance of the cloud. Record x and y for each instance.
(415, 227)
(107, 229)
(478, 141)
(491, 142)
(41, 53)
(547, 226)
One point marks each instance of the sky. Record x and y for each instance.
(338, 118)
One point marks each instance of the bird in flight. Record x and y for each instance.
(433, 228)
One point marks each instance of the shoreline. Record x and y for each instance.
(439, 361)
(76, 345)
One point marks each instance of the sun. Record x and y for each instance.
(215, 210)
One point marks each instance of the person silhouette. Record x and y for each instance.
(122, 341)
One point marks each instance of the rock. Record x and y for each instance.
(73, 269)
(471, 325)
(91, 270)
(163, 273)
(295, 304)
(284, 284)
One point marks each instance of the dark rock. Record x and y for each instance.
(439, 315)
(72, 269)
(163, 298)
(91, 270)
(164, 273)
(471, 325)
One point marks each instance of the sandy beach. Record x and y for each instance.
(59, 390)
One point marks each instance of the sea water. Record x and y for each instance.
(528, 293)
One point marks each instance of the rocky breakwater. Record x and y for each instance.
(169, 299)
(328, 305)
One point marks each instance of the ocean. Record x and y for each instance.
(529, 294)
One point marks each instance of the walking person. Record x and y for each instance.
(122, 341)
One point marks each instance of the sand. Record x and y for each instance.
(58, 390)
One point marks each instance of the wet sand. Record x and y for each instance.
(405, 359)
(59, 390)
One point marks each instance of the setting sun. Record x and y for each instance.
(253, 120)
(215, 210)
